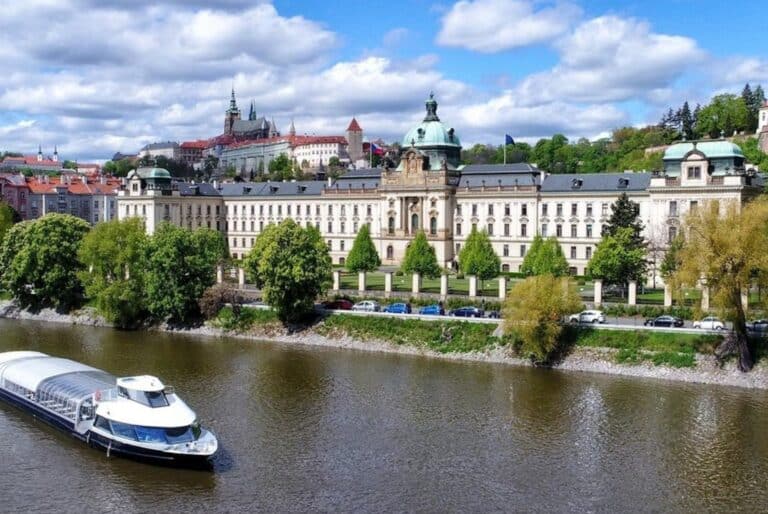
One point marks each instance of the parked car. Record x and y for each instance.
(433, 310)
(367, 306)
(341, 304)
(494, 314)
(709, 323)
(664, 321)
(758, 327)
(398, 308)
(587, 317)
(467, 312)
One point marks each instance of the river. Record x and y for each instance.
(318, 429)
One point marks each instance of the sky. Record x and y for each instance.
(95, 77)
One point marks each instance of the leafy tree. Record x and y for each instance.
(69, 165)
(671, 261)
(617, 260)
(545, 257)
(363, 255)
(10, 246)
(534, 312)
(113, 255)
(292, 267)
(478, 258)
(686, 121)
(724, 246)
(181, 265)
(216, 297)
(8, 216)
(726, 113)
(753, 153)
(43, 271)
(420, 258)
(625, 214)
(280, 168)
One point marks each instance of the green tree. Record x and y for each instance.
(724, 246)
(363, 255)
(43, 271)
(69, 165)
(617, 260)
(686, 121)
(420, 258)
(292, 267)
(280, 168)
(725, 114)
(625, 214)
(8, 217)
(534, 313)
(477, 256)
(545, 257)
(180, 266)
(671, 261)
(113, 255)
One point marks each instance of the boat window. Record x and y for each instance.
(150, 434)
(156, 399)
(123, 430)
(102, 423)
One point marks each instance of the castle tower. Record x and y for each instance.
(292, 129)
(232, 114)
(55, 154)
(39, 153)
(354, 141)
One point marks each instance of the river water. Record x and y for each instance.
(316, 429)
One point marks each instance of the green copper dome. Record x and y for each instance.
(158, 173)
(711, 149)
(431, 131)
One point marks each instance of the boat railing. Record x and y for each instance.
(106, 395)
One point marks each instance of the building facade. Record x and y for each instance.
(431, 191)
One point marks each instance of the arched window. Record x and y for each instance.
(391, 229)
(433, 226)
(390, 252)
(342, 260)
(414, 222)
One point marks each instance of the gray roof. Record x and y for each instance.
(596, 182)
(203, 189)
(496, 179)
(362, 173)
(299, 188)
(517, 167)
(160, 146)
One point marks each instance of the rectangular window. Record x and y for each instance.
(279, 210)
(544, 209)
(505, 251)
(523, 230)
(490, 229)
(589, 252)
(673, 208)
(253, 208)
(672, 234)
(474, 209)
(208, 210)
(694, 205)
(573, 252)
(342, 227)
(330, 227)
(506, 229)
(261, 226)
(289, 210)
(559, 209)
(490, 210)
(269, 210)
(368, 210)
(522, 250)
(604, 209)
(543, 230)
(261, 210)
(559, 230)
(458, 229)
(694, 172)
(330, 210)
(589, 230)
(507, 210)
(589, 210)
(458, 248)
(524, 210)
(341, 246)
(574, 230)
(458, 210)
(574, 209)
(343, 210)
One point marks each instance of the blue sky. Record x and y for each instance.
(102, 76)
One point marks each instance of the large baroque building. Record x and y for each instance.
(431, 190)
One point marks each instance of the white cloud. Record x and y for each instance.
(395, 36)
(494, 25)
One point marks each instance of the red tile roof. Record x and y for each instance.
(354, 126)
(200, 144)
(74, 185)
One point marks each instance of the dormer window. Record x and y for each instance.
(623, 183)
(694, 172)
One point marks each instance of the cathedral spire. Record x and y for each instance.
(232, 101)
(252, 114)
(292, 129)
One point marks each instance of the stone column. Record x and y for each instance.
(387, 284)
(336, 280)
(219, 274)
(416, 285)
(361, 281)
(745, 299)
(443, 286)
(667, 296)
(241, 276)
(598, 293)
(704, 298)
(472, 286)
(502, 288)
(632, 292)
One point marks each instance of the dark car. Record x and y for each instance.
(341, 304)
(398, 308)
(664, 321)
(433, 310)
(758, 327)
(468, 312)
(494, 314)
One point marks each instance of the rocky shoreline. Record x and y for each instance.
(592, 360)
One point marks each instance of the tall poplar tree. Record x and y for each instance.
(478, 258)
(420, 258)
(363, 255)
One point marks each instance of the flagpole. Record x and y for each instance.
(370, 154)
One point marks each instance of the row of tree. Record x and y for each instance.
(59, 261)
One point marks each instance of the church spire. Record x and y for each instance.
(252, 114)
(39, 152)
(292, 129)
(232, 101)
(55, 154)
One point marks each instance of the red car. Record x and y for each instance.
(340, 305)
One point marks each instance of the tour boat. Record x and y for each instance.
(135, 417)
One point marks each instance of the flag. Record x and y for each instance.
(508, 140)
(376, 150)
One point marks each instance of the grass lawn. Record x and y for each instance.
(404, 283)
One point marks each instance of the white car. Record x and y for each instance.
(587, 317)
(709, 323)
(367, 305)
